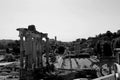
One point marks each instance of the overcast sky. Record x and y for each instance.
(66, 19)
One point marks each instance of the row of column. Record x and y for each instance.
(31, 48)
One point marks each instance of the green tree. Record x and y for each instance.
(107, 48)
(116, 43)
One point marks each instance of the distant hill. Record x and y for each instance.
(4, 43)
